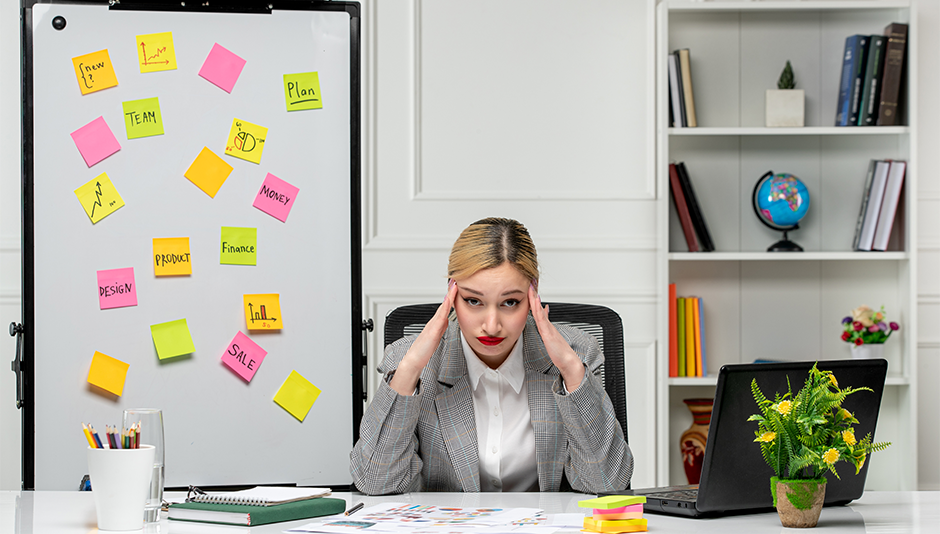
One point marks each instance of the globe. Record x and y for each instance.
(781, 201)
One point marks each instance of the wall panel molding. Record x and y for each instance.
(545, 244)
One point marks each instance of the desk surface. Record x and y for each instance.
(63, 512)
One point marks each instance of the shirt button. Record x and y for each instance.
(496, 412)
(495, 449)
(495, 482)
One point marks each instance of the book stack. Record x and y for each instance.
(880, 200)
(681, 102)
(614, 514)
(870, 84)
(690, 214)
(257, 506)
(686, 336)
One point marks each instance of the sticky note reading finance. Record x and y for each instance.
(297, 395)
(95, 141)
(116, 288)
(172, 339)
(94, 71)
(155, 52)
(263, 311)
(276, 197)
(142, 118)
(243, 356)
(239, 246)
(107, 373)
(171, 256)
(302, 91)
(99, 198)
(222, 68)
(208, 172)
(246, 141)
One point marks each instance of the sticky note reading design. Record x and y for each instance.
(263, 311)
(107, 373)
(171, 256)
(239, 246)
(94, 71)
(243, 356)
(99, 198)
(222, 68)
(95, 141)
(276, 197)
(297, 395)
(155, 52)
(172, 339)
(142, 118)
(208, 172)
(116, 288)
(302, 91)
(246, 141)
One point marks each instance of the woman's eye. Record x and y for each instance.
(472, 301)
(511, 303)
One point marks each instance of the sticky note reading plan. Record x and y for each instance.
(297, 395)
(99, 198)
(116, 288)
(276, 197)
(246, 141)
(142, 118)
(239, 246)
(302, 91)
(208, 172)
(171, 256)
(243, 356)
(263, 311)
(94, 71)
(107, 373)
(222, 68)
(155, 52)
(95, 141)
(172, 339)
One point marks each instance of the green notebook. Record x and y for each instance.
(242, 514)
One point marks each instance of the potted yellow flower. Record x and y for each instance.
(802, 437)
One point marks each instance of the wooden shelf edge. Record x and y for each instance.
(782, 256)
(806, 130)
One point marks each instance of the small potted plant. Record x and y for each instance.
(867, 331)
(783, 106)
(802, 437)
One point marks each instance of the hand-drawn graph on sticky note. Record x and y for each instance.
(243, 356)
(171, 256)
(99, 198)
(297, 395)
(222, 68)
(263, 311)
(172, 339)
(107, 373)
(95, 141)
(276, 197)
(116, 288)
(246, 141)
(94, 71)
(155, 52)
(302, 91)
(142, 118)
(208, 172)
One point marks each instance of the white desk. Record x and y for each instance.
(73, 512)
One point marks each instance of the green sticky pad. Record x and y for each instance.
(302, 91)
(142, 118)
(239, 246)
(612, 501)
(172, 339)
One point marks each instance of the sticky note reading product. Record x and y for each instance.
(155, 52)
(297, 395)
(171, 256)
(239, 246)
(243, 356)
(116, 288)
(172, 339)
(222, 68)
(246, 141)
(94, 71)
(142, 118)
(302, 91)
(107, 373)
(276, 197)
(208, 172)
(95, 141)
(99, 198)
(263, 311)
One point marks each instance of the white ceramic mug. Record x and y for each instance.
(120, 482)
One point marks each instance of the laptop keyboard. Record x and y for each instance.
(678, 495)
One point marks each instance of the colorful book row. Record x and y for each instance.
(869, 88)
(686, 336)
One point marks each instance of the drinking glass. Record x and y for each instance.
(151, 433)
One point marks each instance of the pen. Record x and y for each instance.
(358, 506)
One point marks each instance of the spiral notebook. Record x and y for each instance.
(262, 496)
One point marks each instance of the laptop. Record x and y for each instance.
(735, 479)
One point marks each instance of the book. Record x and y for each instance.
(701, 323)
(673, 334)
(871, 87)
(849, 60)
(690, 357)
(685, 74)
(859, 62)
(262, 495)
(697, 328)
(695, 210)
(675, 92)
(864, 208)
(889, 205)
(680, 335)
(251, 515)
(682, 208)
(896, 34)
(873, 209)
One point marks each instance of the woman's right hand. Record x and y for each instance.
(409, 369)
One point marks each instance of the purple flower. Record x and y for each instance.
(846, 320)
(873, 328)
(894, 326)
(883, 327)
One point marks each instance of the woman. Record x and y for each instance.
(498, 399)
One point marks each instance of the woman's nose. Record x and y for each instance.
(491, 321)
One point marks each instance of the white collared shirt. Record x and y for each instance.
(505, 437)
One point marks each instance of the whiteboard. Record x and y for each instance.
(220, 429)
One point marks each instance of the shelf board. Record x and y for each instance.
(784, 256)
(806, 130)
(692, 6)
(713, 381)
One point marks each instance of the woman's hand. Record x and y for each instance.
(409, 370)
(561, 353)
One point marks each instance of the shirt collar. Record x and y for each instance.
(513, 369)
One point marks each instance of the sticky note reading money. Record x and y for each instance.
(246, 141)
(116, 288)
(239, 246)
(99, 198)
(276, 197)
(94, 71)
(243, 356)
(302, 91)
(172, 339)
(208, 172)
(155, 52)
(142, 118)
(107, 373)
(171, 256)
(297, 395)
(263, 311)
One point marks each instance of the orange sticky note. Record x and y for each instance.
(297, 395)
(107, 373)
(171, 256)
(208, 172)
(94, 71)
(263, 311)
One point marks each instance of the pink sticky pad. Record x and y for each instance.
(95, 141)
(276, 197)
(222, 68)
(116, 288)
(243, 356)
(621, 510)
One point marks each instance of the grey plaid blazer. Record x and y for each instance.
(428, 442)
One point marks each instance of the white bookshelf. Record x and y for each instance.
(783, 306)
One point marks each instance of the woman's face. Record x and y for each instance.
(492, 306)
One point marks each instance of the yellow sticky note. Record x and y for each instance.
(246, 141)
(297, 395)
(612, 501)
(107, 373)
(302, 91)
(99, 198)
(94, 71)
(263, 311)
(171, 256)
(172, 339)
(155, 52)
(208, 172)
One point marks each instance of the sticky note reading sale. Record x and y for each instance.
(94, 71)
(246, 141)
(171, 256)
(107, 373)
(142, 118)
(95, 141)
(243, 356)
(302, 91)
(99, 198)
(239, 246)
(116, 288)
(297, 395)
(263, 311)
(208, 172)
(172, 339)
(155, 52)
(222, 68)
(276, 197)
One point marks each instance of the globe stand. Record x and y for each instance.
(785, 245)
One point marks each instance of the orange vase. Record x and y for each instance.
(692, 442)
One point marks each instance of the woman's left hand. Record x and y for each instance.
(561, 353)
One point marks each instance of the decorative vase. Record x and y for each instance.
(798, 502)
(692, 441)
(868, 351)
(784, 108)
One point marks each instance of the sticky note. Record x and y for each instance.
(243, 356)
(615, 527)
(171, 256)
(633, 511)
(142, 118)
(95, 141)
(612, 501)
(276, 197)
(208, 172)
(246, 141)
(302, 91)
(107, 373)
(263, 311)
(222, 68)
(94, 71)
(239, 246)
(297, 395)
(155, 52)
(172, 339)
(116, 288)
(99, 198)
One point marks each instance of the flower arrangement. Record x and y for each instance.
(867, 326)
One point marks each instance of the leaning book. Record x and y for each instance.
(251, 515)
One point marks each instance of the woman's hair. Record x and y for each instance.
(491, 242)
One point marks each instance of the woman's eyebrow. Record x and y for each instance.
(512, 292)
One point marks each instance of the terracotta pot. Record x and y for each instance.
(798, 502)
(692, 441)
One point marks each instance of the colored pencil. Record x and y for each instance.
(95, 435)
(91, 441)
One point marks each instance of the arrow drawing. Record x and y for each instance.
(97, 199)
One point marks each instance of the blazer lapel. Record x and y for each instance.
(454, 405)
(550, 436)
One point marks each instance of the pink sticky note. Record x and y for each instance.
(95, 141)
(634, 508)
(116, 288)
(243, 356)
(276, 197)
(222, 67)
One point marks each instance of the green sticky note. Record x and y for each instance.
(239, 246)
(612, 501)
(142, 118)
(302, 91)
(172, 339)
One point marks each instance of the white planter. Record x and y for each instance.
(868, 351)
(784, 108)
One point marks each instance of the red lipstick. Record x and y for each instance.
(490, 341)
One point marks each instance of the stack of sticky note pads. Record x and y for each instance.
(614, 514)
